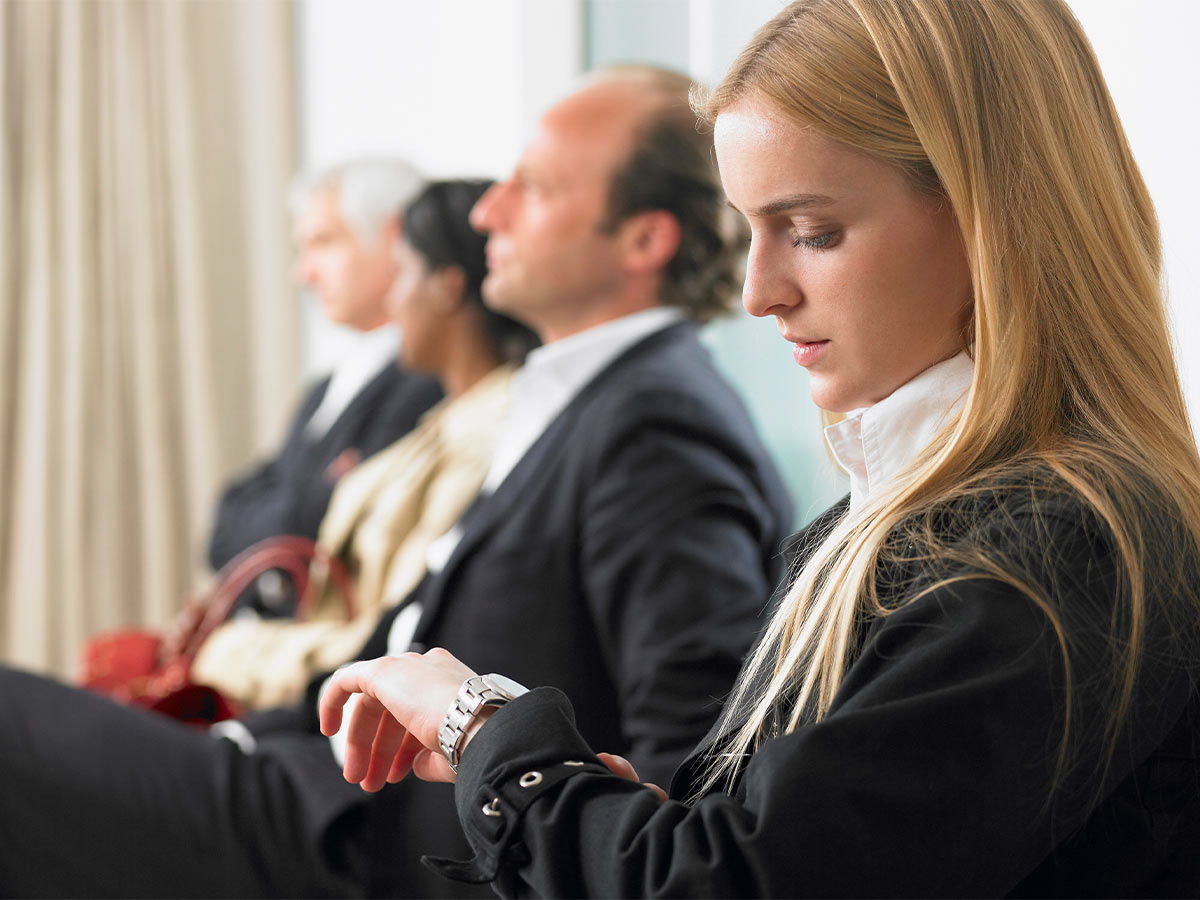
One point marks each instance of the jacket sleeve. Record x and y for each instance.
(290, 493)
(259, 504)
(679, 555)
(936, 772)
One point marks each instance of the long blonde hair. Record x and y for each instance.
(999, 106)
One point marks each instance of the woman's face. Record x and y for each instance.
(866, 277)
(414, 303)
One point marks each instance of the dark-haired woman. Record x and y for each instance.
(386, 512)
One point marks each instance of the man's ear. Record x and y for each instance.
(649, 240)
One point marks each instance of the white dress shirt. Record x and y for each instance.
(872, 444)
(372, 351)
(553, 376)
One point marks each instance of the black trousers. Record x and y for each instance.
(100, 800)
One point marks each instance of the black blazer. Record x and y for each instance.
(289, 493)
(625, 560)
(935, 773)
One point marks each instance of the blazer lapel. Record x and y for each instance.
(487, 513)
(363, 403)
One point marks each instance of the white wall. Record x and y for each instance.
(1148, 53)
(454, 87)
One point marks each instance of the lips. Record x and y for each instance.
(808, 352)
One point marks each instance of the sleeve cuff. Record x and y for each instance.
(526, 749)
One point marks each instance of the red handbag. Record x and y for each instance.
(144, 668)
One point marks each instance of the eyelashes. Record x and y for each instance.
(816, 241)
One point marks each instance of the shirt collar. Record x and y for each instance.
(874, 443)
(573, 361)
(372, 351)
(554, 374)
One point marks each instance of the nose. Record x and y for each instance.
(485, 214)
(767, 290)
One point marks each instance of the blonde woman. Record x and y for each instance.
(983, 677)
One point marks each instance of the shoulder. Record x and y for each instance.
(1091, 569)
(393, 379)
(668, 377)
(397, 391)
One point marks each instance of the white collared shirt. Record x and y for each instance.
(872, 444)
(372, 351)
(553, 376)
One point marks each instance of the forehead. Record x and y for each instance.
(321, 212)
(765, 158)
(585, 137)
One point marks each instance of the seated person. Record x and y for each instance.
(983, 679)
(623, 544)
(386, 511)
(346, 226)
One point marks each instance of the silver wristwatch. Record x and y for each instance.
(476, 693)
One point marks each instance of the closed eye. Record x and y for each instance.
(816, 241)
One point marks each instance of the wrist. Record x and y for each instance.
(476, 700)
(473, 727)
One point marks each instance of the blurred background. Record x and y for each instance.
(151, 340)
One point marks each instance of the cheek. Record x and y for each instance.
(338, 272)
(403, 310)
(905, 287)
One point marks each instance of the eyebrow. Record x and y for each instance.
(790, 203)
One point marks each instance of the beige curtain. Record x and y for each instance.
(148, 331)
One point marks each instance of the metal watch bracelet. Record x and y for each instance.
(475, 693)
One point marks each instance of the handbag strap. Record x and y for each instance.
(295, 555)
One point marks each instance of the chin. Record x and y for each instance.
(495, 297)
(833, 401)
(335, 314)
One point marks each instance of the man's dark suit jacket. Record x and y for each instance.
(626, 560)
(289, 493)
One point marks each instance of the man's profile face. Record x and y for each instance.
(548, 259)
(350, 276)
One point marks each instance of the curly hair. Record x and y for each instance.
(672, 168)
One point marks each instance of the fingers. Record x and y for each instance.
(415, 757)
(430, 765)
(383, 753)
(618, 765)
(402, 701)
(365, 723)
(337, 691)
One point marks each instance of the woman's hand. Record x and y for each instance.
(619, 765)
(394, 727)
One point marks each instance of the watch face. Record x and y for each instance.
(505, 685)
